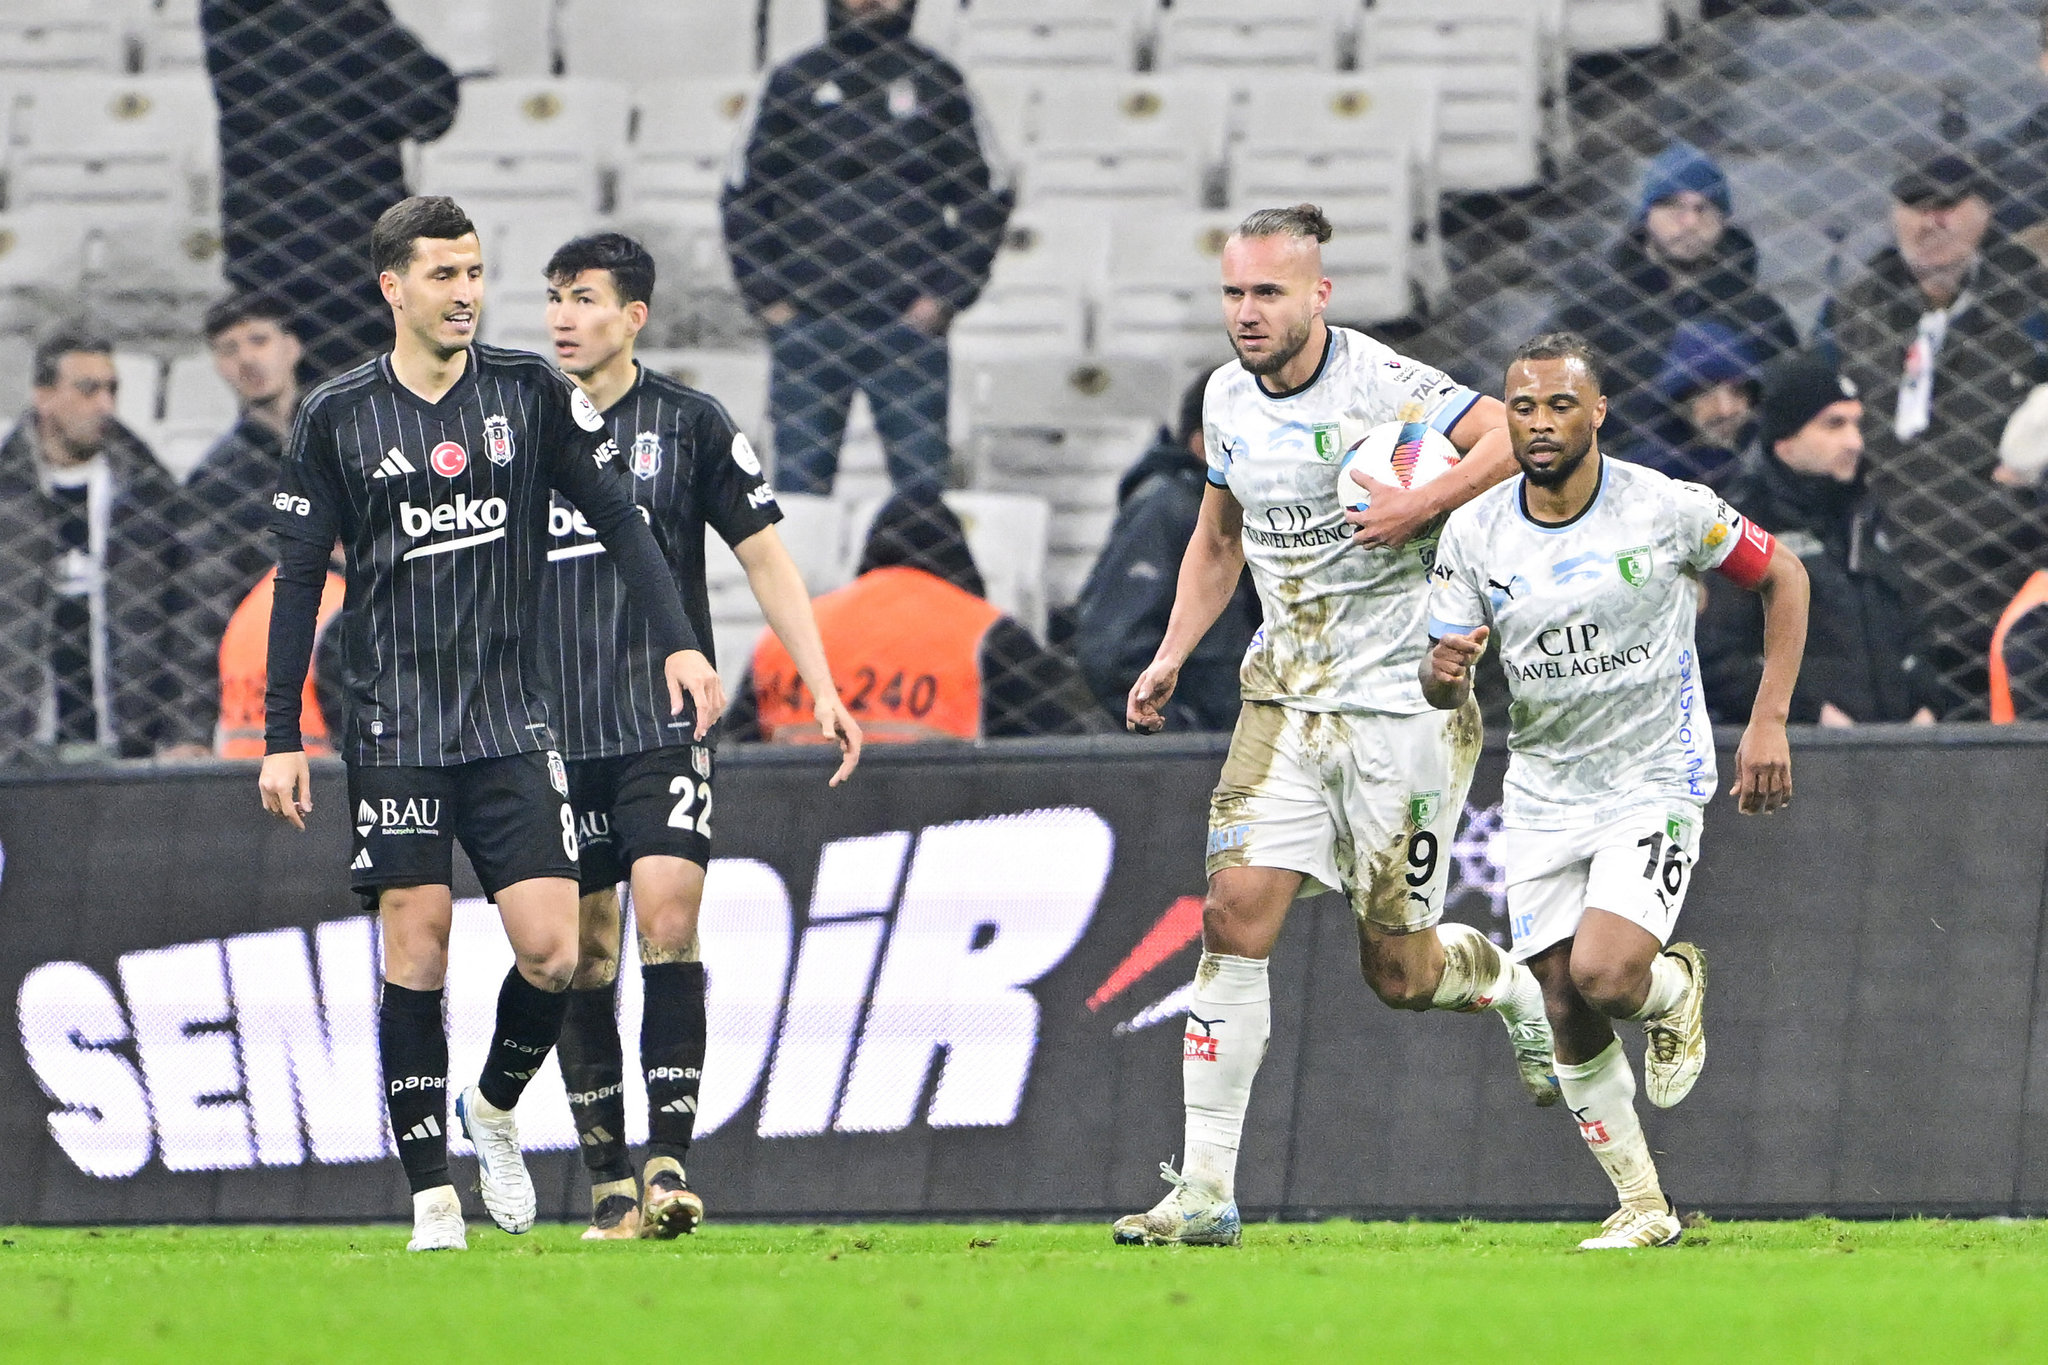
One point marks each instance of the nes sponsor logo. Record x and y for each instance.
(902, 993)
(475, 521)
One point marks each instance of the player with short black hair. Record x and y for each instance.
(1587, 572)
(435, 466)
(641, 784)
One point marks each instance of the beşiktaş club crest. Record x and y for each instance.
(645, 457)
(498, 439)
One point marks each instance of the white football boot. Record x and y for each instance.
(500, 1166)
(1675, 1042)
(1533, 1058)
(437, 1221)
(1628, 1229)
(1191, 1215)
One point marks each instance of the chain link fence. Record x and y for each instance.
(966, 255)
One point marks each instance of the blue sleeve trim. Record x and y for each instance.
(1453, 410)
(1439, 629)
(1217, 480)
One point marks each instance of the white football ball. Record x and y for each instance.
(1404, 454)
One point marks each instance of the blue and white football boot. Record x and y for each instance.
(1192, 1215)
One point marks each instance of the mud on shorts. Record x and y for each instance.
(1637, 865)
(1357, 802)
(511, 815)
(641, 805)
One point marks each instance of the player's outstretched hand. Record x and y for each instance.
(842, 729)
(689, 672)
(287, 787)
(1394, 517)
(1152, 690)
(1452, 658)
(1763, 769)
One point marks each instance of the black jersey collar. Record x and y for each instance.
(457, 395)
(639, 379)
(1329, 345)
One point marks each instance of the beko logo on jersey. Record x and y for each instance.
(565, 521)
(482, 518)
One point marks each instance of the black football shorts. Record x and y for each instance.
(511, 815)
(641, 805)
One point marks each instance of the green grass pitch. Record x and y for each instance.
(1808, 1291)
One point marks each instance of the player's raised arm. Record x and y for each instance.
(1209, 571)
(779, 588)
(582, 468)
(1763, 761)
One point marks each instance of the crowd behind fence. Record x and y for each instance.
(953, 267)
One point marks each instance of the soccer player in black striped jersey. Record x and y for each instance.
(434, 466)
(639, 782)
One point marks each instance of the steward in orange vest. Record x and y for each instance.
(244, 656)
(2030, 658)
(917, 652)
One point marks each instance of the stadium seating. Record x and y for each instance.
(1231, 35)
(1495, 69)
(1046, 272)
(1064, 33)
(73, 36)
(683, 135)
(195, 395)
(1619, 25)
(129, 141)
(167, 36)
(631, 40)
(485, 37)
(522, 142)
(1125, 136)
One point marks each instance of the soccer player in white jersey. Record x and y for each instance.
(1340, 776)
(1586, 572)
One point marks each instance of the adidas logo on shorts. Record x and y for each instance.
(362, 861)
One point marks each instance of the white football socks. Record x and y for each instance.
(1479, 976)
(1669, 979)
(1602, 1097)
(1229, 1024)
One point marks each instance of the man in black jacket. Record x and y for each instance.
(316, 97)
(89, 561)
(1803, 482)
(1680, 259)
(1129, 594)
(864, 218)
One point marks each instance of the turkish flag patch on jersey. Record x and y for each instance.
(448, 459)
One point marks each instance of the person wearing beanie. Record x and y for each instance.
(1803, 482)
(1939, 332)
(1681, 259)
(917, 651)
(1699, 412)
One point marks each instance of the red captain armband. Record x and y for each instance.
(1746, 563)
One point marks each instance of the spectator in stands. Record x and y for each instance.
(316, 97)
(864, 218)
(1699, 412)
(2015, 162)
(89, 559)
(916, 650)
(1938, 333)
(227, 547)
(1129, 594)
(1803, 482)
(1680, 258)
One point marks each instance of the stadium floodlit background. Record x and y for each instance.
(988, 1034)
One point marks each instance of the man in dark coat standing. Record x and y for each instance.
(1803, 482)
(315, 98)
(863, 218)
(1940, 335)
(1680, 259)
(1125, 603)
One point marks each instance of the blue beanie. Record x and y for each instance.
(1702, 354)
(1678, 168)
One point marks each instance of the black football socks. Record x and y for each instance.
(529, 1021)
(413, 1046)
(594, 1073)
(672, 1053)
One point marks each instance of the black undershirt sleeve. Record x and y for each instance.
(637, 556)
(294, 619)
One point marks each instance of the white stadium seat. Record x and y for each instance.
(1006, 105)
(1125, 136)
(42, 251)
(140, 376)
(633, 40)
(1163, 295)
(484, 37)
(117, 140)
(516, 251)
(140, 253)
(60, 35)
(170, 37)
(1622, 25)
(1067, 33)
(1497, 75)
(196, 396)
(683, 136)
(1232, 35)
(529, 141)
(1042, 393)
(737, 379)
(1048, 268)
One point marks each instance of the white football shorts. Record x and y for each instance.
(1357, 802)
(1637, 865)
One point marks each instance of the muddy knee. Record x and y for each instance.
(1609, 987)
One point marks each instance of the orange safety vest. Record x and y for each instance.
(244, 656)
(905, 647)
(2033, 593)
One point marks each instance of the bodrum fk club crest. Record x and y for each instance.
(498, 439)
(645, 460)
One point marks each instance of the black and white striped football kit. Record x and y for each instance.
(638, 780)
(443, 512)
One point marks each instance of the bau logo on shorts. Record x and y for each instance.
(390, 815)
